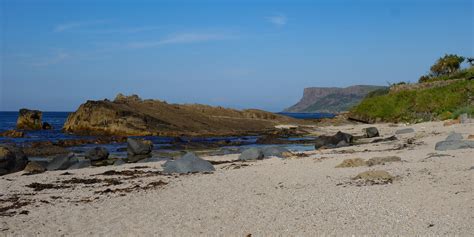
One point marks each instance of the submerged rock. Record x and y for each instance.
(29, 119)
(12, 159)
(12, 133)
(371, 132)
(340, 139)
(97, 154)
(46, 126)
(189, 163)
(253, 153)
(405, 131)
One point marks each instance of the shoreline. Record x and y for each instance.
(431, 193)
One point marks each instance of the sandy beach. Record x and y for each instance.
(432, 193)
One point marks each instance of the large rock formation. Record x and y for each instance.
(12, 159)
(134, 116)
(331, 99)
(29, 119)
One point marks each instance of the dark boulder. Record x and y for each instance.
(252, 154)
(189, 163)
(138, 149)
(96, 154)
(12, 159)
(62, 162)
(46, 126)
(371, 132)
(29, 119)
(340, 139)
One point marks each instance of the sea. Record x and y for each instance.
(57, 120)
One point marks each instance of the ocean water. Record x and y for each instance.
(308, 115)
(57, 120)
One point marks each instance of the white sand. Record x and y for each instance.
(306, 196)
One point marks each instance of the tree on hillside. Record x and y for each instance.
(447, 65)
(470, 61)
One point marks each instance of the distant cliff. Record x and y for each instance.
(331, 99)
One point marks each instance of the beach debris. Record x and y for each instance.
(373, 177)
(12, 133)
(34, 167)
(371, 132)
(138, 149)
(405, 131)
(41, 186)
(12, 159)
(356, 162)
(189, 163)
(382, 160)
(253, 153)
(340, 139)
(15, 203)
(97, 154)
(61, 162)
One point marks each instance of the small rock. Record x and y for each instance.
(375, 177)
(62, 162)
(454, 145)
(80, 164)
(387, 139)
(371, 132)
(453, 136)
(274, 151)
(189, 163)
(34, 167)
(96, 154)
(251, 154)
(356, 162)
(46, 126)
(405, 131)
(383, 160)
(12, 133)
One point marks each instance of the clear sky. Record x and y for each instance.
(55, 55)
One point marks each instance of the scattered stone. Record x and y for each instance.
(34, 167)
(356, 162)
(371, 132)
(138, 149)
(387, 139)
(12, 159)
(454, 145)
(62, 162)
(97, 154)
(382, 160)
(453, 136)
(251, 154)
(374, 177)
(277, 151)
(189, 163)
(340, 139)
(405, 131)
(80, 165)
(119, 162)
(12, 134)
(29, 119)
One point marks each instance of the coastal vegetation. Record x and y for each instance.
(445, 93)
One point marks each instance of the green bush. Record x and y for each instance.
(417, 105)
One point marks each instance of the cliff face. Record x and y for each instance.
(133, 116)
(331, 99)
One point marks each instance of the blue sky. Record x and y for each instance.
(55, 55)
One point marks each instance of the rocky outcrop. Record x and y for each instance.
(331, 99)
(12, 133)
(134, 116)
(29, 119)
(12, 159)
